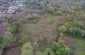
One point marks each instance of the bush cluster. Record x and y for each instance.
(68, 17)
(76, 28)
(49, 9)
(14, 27)
(27, 49)
(33, 17)
(9, 38)
(56, 49)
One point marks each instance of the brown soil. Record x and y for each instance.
(13, 51)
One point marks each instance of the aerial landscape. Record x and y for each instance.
(42, 27)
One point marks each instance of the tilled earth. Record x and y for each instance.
(13, 51)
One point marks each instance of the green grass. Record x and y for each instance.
(78, 52)
(78, 45)
(53, 19)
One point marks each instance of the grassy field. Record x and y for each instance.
(44, 31)
(77, 45)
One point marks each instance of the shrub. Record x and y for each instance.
(82, 33)
(42, 4)
(1, 40)
(75, 28)
(27, 49)
(66, 50)
(57, 49)
(48, 51)
(62, 28)
(14, 27)
(9, 40)
(54, 20)
(49, 9)
(45, 38)
(61, 42)
(23, 40)
(59, 13)
(33, 17)
(77, 31)
(69, 17)
(60, 49)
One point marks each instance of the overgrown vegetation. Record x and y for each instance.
(14, 27)
(56, 49)
(27, 49)
(39, 33)
(75, 28)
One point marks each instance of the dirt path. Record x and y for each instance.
(13, 51)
